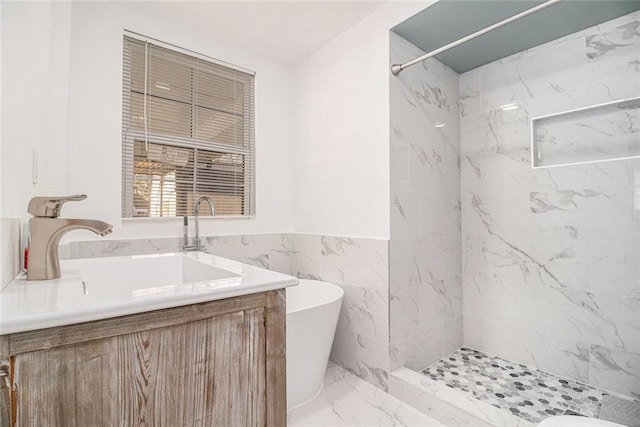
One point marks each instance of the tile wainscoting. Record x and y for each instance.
(270, 251)
(361, 268)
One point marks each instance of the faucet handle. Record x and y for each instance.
(49, 207)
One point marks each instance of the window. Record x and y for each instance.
(188, 131)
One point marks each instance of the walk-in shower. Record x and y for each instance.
(515, 223)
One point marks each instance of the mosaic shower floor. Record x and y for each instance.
(527, 393)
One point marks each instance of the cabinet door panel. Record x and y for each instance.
(46, 391)
(208, 372)
(95, 382)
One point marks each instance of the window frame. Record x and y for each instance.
(130, 136)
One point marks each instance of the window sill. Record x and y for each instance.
(179, 218)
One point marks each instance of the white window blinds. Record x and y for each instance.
(188, 131)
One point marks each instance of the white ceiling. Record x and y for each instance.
(284, 31)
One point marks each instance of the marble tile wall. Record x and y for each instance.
(263, 250)
(551, 257)
(360, 267)
(424, 251)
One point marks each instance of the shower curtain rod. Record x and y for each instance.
(396, 68)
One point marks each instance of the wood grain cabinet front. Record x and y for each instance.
(220, 363)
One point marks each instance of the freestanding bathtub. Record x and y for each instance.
(313, 308)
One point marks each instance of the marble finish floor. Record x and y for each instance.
(346, 400)
(526, 392)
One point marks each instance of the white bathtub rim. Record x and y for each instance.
(339, 294)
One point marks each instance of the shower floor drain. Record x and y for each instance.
(527, 393)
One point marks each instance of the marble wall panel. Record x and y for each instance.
(453, 334)
(420, 349)
(498, 337)
(270, 251)
(439, 301)
(615, 266)
(366, 358)
(262, 250)
(613, 52)
(530, 74)
(598, 318)
(405, 217)
(469, 93)
(616, 370)
(563, 356)
(507, 301)
(550, 257)
(108, 247)
(425, 287)
(361, 268)
(404, 312)
(568, 357)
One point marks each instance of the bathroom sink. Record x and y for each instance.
(152, 272)
(99, 288)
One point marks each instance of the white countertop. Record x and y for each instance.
(100, 288)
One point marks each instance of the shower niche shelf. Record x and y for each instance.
(597, 133)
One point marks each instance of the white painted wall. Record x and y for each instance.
(1, 211)
(342, 130)
(62, 63)
(33, 90)
(35, 39)
(329, 171)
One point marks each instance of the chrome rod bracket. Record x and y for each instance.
(395, 69)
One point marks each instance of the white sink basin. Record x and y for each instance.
(151, 271)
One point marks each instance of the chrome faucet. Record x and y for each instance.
(196, 213)
(46, 230)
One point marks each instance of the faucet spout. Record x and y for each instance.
(196, 214)
(45, 235)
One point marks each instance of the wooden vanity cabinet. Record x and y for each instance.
(218, 363)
